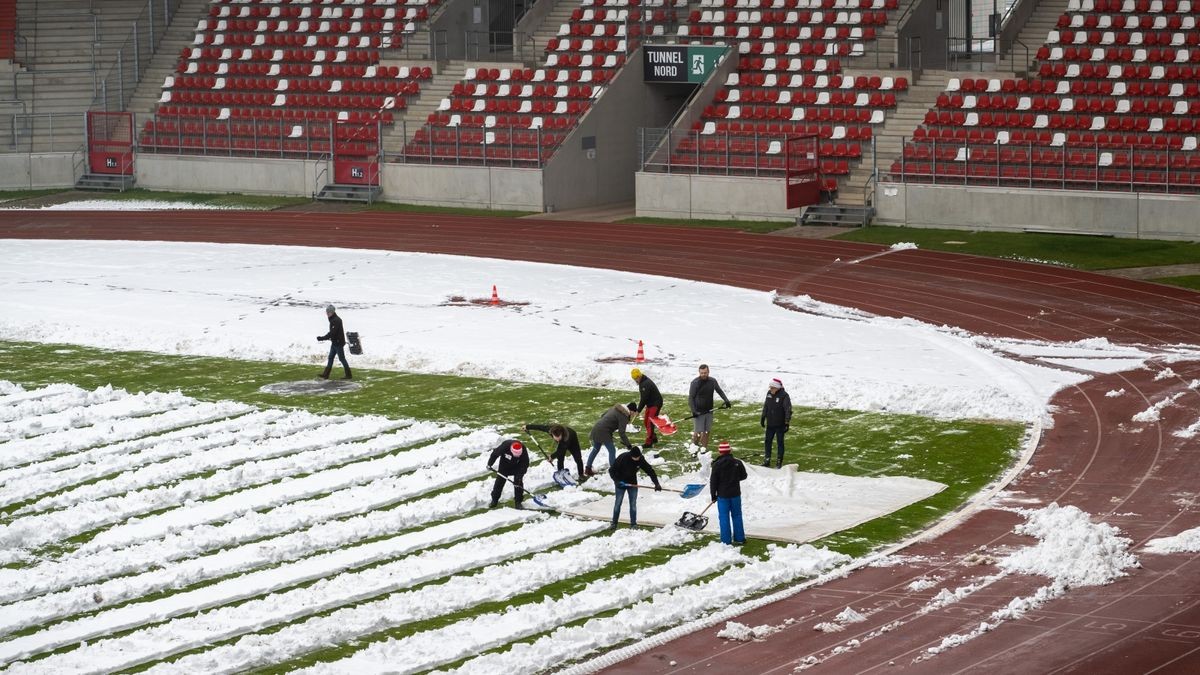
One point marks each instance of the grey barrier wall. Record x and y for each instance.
(665, 195)
(28, 171)
(922, 22)
(456, 18)
(577, 177)
(184, 173)
(467, 186)
(1118, 214)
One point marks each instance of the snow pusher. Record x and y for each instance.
(694, 521)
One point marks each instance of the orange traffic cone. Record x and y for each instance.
(641, 355)
(495, 297)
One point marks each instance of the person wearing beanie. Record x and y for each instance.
(567, 440)
(513, 463)
(337, 343)
(624, 472)
(613, 421)
(725, 487)
(776, 418)
(650, 404)
(700, 401)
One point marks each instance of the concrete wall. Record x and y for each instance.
(663, 195)
(922, 22)
(573, 178)
(474, 187)
(25, 171)
(1119, 214)
(456, 18)
(187, 173)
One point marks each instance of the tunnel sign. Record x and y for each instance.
(679, 63)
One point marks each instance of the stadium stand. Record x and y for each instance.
(277, 77)
(791, 59)
(1115, 106)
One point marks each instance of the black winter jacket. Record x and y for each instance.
(700, 395)
(569, 442)
(509, 465)
(777, 409)
(650, 396)
(728, 472)
(625, 469)
(335, 334)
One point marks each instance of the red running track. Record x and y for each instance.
(1140, 477)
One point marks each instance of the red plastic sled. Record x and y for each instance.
(665, 426)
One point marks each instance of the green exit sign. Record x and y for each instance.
(679, 63)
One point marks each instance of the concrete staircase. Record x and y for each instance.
(419, 108)
(180, 34)
(889, 138)
(72, 48)
(548, 29)
(1033, 35)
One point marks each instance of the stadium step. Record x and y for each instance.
(104, 182)
(837, 214)
(365, 194)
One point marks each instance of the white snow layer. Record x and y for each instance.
(127, 205)
(1187, 541)
(265, 302)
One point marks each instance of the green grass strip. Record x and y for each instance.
(1082, 252)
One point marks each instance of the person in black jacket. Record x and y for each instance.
(514, 462)
(650, 404)
(725, 486)
(700, 401)
(337, 343)
(624, 474)
(776, 419)
(567, 440)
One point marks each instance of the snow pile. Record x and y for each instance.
(262, 302)
(742, 633)
(129, 205)
(1072, 551)
(1071, 548)
(1184, 542)
(1114, 393)
(922, 584)
(849, 615)
(1164, 374)
(1151, 414)
(903, 246)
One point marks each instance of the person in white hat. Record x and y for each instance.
(513, 463)
(776, 418)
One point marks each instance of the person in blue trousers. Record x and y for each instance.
(624, 473)
(725, 485)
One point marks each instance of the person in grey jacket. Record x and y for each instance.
(613, 421)
(700, 400)
(776, 419)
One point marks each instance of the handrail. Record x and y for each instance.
(156, 23)
(1024, 46)
(323, 172)
(915, 50)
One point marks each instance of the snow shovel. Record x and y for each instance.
(690, 490)
(536, 499)
(694, 521)
(563, 476)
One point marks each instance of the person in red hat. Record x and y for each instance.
(725, 487)
(776, 418)
(513, 463)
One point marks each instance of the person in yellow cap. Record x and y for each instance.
(650, 405)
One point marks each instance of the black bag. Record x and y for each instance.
(355, 344)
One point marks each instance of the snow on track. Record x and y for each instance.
(119, 405)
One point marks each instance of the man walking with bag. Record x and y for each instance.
(337, 343)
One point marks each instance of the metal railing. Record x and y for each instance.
(1107, 167)
(502, 146)
(40, 132)
(277, 139)
(500, 45)
(719, 153)
(133, 56)
(970, 53)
